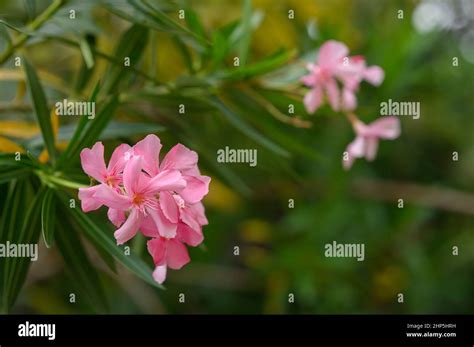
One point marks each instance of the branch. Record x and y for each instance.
(430, 196)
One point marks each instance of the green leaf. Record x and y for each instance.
(87, 53)
(4, 33)
(48, 217)
(113, 130)
(73, 145)
(105, 239)
(80, 269)
(242, 126)
(87, 46)
(9, 159)
(194, 23)
(131, 46)
(19, 225)
(168, 24)
(106, 257)
(7, 174)
(88, 131)
(98, 124)
(262, 67)
(245, 23)
(40, 105)
(30, 8)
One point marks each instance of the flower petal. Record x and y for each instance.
(149, 148)
(117, 160)
(179, 158)
(111, 198)
(92, 161)
(131, 175)
(374, 75)
(188, 235)
(349, 100)
(333, 94)
(159, 274)
(331, 53)
(313, 99)
(166, 180)
(371, 145)
(196, 188)
(157, 249)
(129, 228)
(176, 254)
(165, 227)
(347, 163)
(198, 211)
(357, 147)
(169, 207)
(148, 227)
(88, 202)
(190, 219)
(117, 217)
(385, 128)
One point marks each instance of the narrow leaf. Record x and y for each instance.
(107, 242)
(47, 217)
(128, 52)
(40, 105)
(81, 271)
(19, 228)
(246, 129)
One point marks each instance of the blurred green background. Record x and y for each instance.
(408, 250)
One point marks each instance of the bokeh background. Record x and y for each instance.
(408, 250)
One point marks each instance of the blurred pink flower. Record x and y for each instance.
(367, 138)
(162, 200)
(334, 65)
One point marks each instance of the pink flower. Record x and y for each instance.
(162, 200)
(334, 65)
(180, 213)
(183, 160)
(367, 138)
(93, 164)
(138, 197)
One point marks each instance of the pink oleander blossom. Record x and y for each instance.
(334, 66)
(161, 200)
(368, 136)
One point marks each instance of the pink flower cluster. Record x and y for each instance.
(335, 66)
(334, 69)
(162, 200)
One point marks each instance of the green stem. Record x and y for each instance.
(37, 23)
(51, 180)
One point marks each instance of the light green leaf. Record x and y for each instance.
(245, 23)
(262, 67)
(87, 53)
(48, 217)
